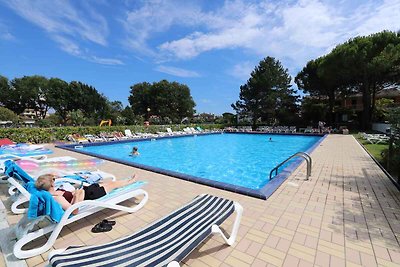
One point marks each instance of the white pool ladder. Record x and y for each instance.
(303, 155)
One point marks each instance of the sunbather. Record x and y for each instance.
(68, 198)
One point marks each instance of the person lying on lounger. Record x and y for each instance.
(68, 198)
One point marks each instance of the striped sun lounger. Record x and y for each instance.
(165, 242)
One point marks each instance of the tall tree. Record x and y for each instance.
(267, 93)
(87, 99)
(163, 98)
(321, 78)
(16, 95)
(4, 91)
(60, 97)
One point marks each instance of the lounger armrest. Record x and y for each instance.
(215, 229)
(97, 203)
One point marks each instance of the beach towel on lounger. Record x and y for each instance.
(42, 203)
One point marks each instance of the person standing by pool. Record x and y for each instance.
(134, 152)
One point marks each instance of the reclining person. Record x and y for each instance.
(68, 198)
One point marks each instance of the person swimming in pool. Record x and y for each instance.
(270, 139)
(134, 152)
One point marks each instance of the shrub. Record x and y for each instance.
(52, 134)
(8, 115)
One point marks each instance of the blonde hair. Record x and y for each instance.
(45, 181)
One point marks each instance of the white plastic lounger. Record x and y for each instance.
(19, 195)
(165, 242)
(128, 133)
(17, 177)
(5, 157)
(86, 208)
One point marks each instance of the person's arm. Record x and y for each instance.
(78, 196)
(64, 203)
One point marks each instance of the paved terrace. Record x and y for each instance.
(346, 215)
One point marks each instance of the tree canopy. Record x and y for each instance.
(8, 115)
(267, 95)
(164, 99)
(41, 94)
(363, 65)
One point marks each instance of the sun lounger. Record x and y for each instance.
(24, 150)
(128, 133)
(165, 242)
(18, 178)
(171, 133)
(93, 138)
(6, 157)
(44, 207)
(76, 138)
(120, 136)
(108, 136)
(376, 139)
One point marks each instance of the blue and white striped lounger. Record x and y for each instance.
(165, 242)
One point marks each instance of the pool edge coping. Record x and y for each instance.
(263, 193)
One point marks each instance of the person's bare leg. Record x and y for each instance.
(109, 186)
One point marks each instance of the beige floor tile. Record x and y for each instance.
(346, 214)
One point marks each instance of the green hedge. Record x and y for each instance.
(49, 135)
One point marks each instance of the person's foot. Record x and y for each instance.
(132, 178)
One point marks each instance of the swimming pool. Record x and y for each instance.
(236, 162)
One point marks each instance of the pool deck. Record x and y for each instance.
(347, 214)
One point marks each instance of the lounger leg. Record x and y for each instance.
(11, 190)
(173, 264)
(217, 230)
(15, 204)
(28, 237)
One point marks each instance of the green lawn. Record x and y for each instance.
(374, 149)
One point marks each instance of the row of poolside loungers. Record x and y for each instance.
(117, 136)
(265, 129)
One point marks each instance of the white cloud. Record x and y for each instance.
(59, 17)
(68, 25)
(293, 31)
(5, 34)
(73, 48)
(68, 45)
(242, 70)
(155, 17)
(385, 16)
(177, 71)
(106, 61)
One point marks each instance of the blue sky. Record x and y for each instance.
(212, 46)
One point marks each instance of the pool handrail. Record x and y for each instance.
(303, 155)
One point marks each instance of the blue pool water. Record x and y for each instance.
(237, 159)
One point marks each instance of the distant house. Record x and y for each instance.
(351, 106)
(204, 117)
(29, 117)
(29, 114)
(355, 102)
(5, 124)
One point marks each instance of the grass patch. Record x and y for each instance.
(374, 149)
